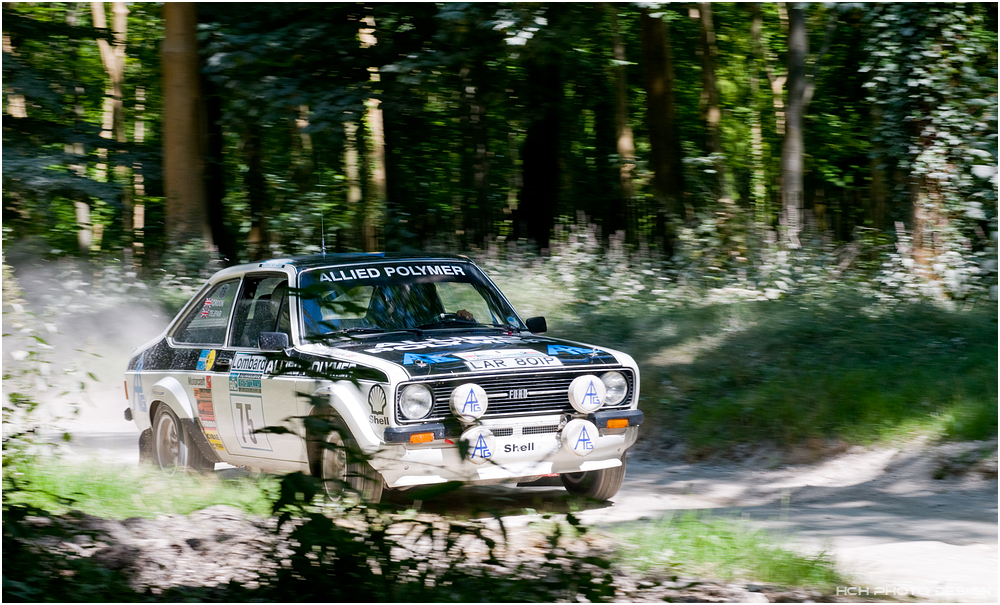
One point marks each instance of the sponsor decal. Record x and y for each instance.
(481, 444)
(568, 350)
(517, 394)
(469, 401)
(377, 403)
(454, 341)
(507, 359)
(244, 383)
(248, 363)
(513, 447)
(248, 416)
(158, 392)
(138, 398)
(425, 358)
(580, 436)
(481, 448)
(338, 275)
(197, 381)
(324, 367)
(206, 360)
(206, 413)
(586, 393)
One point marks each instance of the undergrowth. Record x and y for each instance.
(116, 492)
(720, 547)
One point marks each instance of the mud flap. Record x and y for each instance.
(146, 447)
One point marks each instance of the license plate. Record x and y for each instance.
(511, 363)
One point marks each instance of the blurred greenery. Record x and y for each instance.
(60, 485)
(721, 547)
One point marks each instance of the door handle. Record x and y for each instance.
(221, 364)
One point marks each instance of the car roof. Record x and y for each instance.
(301, 263)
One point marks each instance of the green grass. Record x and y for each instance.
(788, 371)
(720, 547)
(119, 493)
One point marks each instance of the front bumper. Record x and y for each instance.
(520, 454)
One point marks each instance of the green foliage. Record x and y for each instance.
(721, 547)
(115, 493)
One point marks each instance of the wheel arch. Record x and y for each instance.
(169, 392)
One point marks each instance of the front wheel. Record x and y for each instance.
(599, 485)
(172, 446)
(339, 465)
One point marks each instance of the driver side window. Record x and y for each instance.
(261, 307)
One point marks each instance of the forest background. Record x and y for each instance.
(687, 132)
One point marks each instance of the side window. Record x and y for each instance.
(206, 324)
(262, 307)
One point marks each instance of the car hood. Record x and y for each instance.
(460, 353)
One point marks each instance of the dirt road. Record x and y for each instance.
(885, 520)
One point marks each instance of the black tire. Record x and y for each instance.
(172, 446)
(599, 485)
(340, 465)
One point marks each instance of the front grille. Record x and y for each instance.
(546, 393)
(503, 432)
(536, 430)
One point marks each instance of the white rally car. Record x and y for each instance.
(419, 362)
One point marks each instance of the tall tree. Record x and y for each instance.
(625, 143)
(665, 149)
(792, 151)
(184, 168)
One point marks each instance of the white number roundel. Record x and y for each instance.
(482, 444)
(580, 436)
(586, 393)
(469, 401)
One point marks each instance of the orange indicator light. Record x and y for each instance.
(421, 437)
(618, 423)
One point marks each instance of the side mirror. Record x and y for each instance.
(272, 341)
(536, 325)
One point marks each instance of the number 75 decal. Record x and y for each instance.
(248, 416)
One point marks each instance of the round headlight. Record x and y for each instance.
(416, 401)
(617, 388)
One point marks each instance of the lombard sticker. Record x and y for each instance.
(206, 413)
(507, 359)
(377, 404)
(206, 360)
(248, 363)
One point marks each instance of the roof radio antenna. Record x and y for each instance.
(322, 235)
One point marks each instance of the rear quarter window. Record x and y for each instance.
(206, 323)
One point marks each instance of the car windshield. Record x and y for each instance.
(405, 295)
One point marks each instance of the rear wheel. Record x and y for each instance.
(172, 446)
(599, 485)
(339, 465)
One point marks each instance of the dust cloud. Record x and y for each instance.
(90, 317)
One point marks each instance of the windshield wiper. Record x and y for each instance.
(466, 325)
(373, 330)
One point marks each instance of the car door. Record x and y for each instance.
(258, 394)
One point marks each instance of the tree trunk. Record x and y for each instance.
(758, 187)
(792, 151)
(259, 238)
(625, 144)
(665, 152)
(475, 162)
(540, 191)
(183, 164)
(352, 169)
(215, 176)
